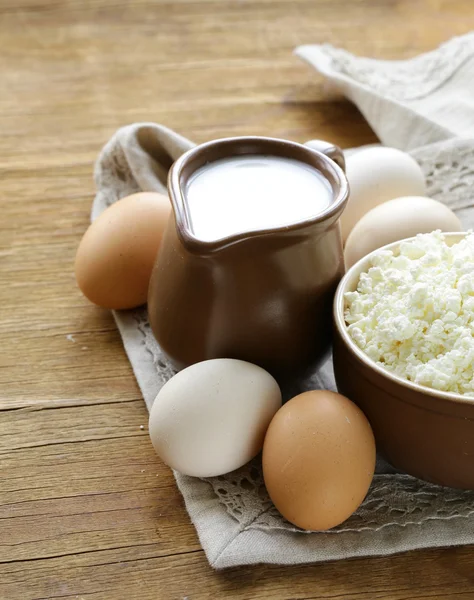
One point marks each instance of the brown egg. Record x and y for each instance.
(116, 255)
(318, 459)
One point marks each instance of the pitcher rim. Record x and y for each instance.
(316, 159)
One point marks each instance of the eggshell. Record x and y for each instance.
(211, 418)
(375, 175)
(396, 220)
(116, 255)
(318, 459)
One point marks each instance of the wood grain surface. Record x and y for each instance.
(87, 511)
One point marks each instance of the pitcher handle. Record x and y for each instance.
(330, 150)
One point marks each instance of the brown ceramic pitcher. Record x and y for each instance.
(262, 296)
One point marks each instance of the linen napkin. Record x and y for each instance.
(423, 105)
(408, 103)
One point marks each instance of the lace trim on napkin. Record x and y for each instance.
(449, 172)
(408, 79)
(113, 176)
(393, 499)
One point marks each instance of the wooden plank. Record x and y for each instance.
(86, 509)
(85, 478)
(137, 572)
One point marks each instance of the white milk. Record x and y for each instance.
(246, 193)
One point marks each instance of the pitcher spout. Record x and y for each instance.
(228, 191)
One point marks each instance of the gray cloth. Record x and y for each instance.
(424, 105)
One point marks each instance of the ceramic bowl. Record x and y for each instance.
(426, 433)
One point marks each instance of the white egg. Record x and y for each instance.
(211, 418)
(396, 220)
(375, 175)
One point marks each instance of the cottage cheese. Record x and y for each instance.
(413, 313)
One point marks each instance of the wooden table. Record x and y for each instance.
(87, 510)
